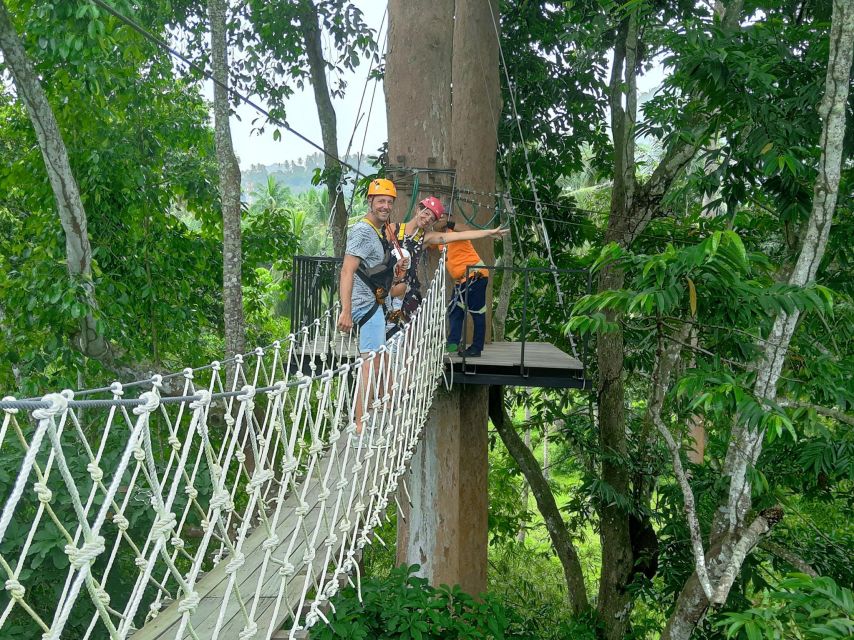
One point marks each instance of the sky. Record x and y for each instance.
(252, 148)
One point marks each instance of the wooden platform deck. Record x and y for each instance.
(528, 364)
(213, 585)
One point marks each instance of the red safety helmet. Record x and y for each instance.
(434, 205)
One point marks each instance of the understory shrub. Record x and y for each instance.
(402, 606)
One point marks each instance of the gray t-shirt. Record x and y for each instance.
(364, 243)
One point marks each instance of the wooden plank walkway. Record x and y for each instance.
(212, 586)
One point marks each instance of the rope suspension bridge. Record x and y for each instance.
(241, 505)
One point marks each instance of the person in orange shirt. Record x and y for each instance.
(470, 288)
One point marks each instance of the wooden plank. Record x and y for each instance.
(212, 586)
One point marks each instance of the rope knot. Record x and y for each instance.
(221, 500)
(117, 389)
(188, 373)
(121, 522)
(302, 509)
(324, 494)
(11, 412)
(270, 543)
(240, 457)
(95, 472)
(192, 492)
(176, 542)
(278, 389)
(259, 479)
(287, 570)
(235, 563)
(157, 381)
(289, 465)
(150, 402)
(102, 596)
(58, 404)
(204, 399)
(44, 494)
(16, 589)
(309, 556)
(249, 631)
(189, 602)
(247, 392)
(164, 524)
(83, 556)
(139, 454)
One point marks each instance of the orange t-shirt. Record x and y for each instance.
(461, 254)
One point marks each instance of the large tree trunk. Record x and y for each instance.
(731, 539)
(68, 203)
(229, 185)
(617, 561)
(419, 125)
(328, 127)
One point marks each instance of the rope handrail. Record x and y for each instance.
(233, 510)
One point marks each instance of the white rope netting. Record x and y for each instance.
(234, 510)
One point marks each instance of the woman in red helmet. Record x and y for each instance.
(416, 234)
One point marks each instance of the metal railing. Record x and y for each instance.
(527, 272)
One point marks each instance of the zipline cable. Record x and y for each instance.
(233, 92)
(538, 206)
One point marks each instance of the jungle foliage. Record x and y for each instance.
(681, 214)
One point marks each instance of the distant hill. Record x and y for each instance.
(295, 175)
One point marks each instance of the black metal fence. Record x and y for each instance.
(314, 287)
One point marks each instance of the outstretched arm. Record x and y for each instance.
(442, 237)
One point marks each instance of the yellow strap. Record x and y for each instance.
(379, 233)
(401, 232)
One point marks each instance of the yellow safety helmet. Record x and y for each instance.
(382, 187)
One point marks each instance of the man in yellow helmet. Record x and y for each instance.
(367, 279)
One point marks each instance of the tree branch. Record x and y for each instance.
(835, 414)
(548, 508)
(665, 362)
(760, 526)
(789, 556)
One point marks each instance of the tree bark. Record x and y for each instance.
(730, 539)
(558, 533)
(69, 205)
(617, 560)
(328, 127)
(229, 185)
